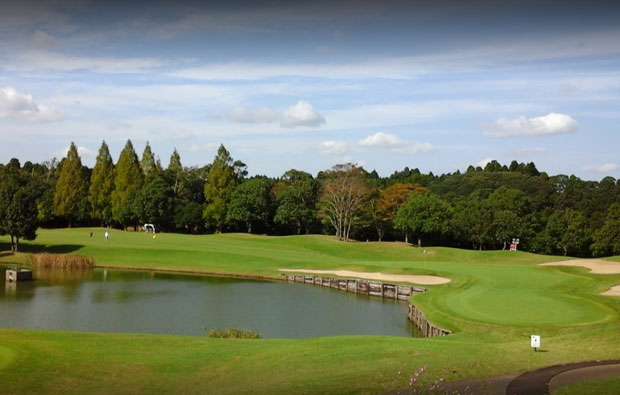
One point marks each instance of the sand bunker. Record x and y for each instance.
(596, 266)
(613, 291)
(404, 278)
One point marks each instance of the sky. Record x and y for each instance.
(435, 85)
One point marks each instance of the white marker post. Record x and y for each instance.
(535, 342)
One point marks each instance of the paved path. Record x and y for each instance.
(537, 382)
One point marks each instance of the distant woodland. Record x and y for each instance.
(482, 208)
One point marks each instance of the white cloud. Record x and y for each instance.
(259, 115)
(17, 105)
(302, 114)
(210, 147)
(485, 162)
(82, 152)
(546, 125)
(331, 147)
(604, 168)
(394, 143)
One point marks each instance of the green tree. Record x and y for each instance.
(424, 215)
(221, 182)
(188, 217)
(567, 232)
(18, 208)
(509, 208)
(102, 186)
(71, 188)
(607, 238)
(473, 221)
(252, 202)
(175, 168)
(148, 164)
(153, 203)
(297, 196)
(127, 184)
(390, 199)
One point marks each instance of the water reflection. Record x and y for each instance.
(151, 302)
(63, 277)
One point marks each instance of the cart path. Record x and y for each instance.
(537, 382)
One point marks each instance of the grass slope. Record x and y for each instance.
(495, 301)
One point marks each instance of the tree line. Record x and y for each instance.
(481, 208)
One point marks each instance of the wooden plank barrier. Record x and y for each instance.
(362, 287)
(375, 289)
(418, 290)
(404, 292)
(419, 320)
(390, 291)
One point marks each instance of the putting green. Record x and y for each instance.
(524, 296)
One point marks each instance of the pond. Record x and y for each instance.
(104, 300)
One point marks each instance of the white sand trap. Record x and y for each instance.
(404, 278)
(613, 291)
(596, 266)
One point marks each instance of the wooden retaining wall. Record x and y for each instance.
(371, 288)
(419, 320)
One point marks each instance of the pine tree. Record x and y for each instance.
(102, 186)
(71, 188)
(176, 169)
(175, 162)
(127, 183)
(221, 182)
(148, 162)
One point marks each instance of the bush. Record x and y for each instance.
(232, 333)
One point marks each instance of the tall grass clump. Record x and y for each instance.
(232, 333)
(61, 261)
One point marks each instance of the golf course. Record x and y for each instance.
(492, 304)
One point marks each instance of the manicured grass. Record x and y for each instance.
(7, 356)
(495, 301)
(609, 386)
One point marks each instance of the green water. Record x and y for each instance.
(149, 302)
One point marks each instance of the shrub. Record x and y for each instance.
(233, 333)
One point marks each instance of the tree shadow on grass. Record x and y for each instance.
(5, 248)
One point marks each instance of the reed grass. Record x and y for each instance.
(61, 261)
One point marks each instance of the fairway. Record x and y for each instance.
(495, 300)
(494, 287)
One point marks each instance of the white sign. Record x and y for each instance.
(535, 341)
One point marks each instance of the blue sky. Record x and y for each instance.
(437, 85)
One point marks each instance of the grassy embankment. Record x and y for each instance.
(495, 301)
